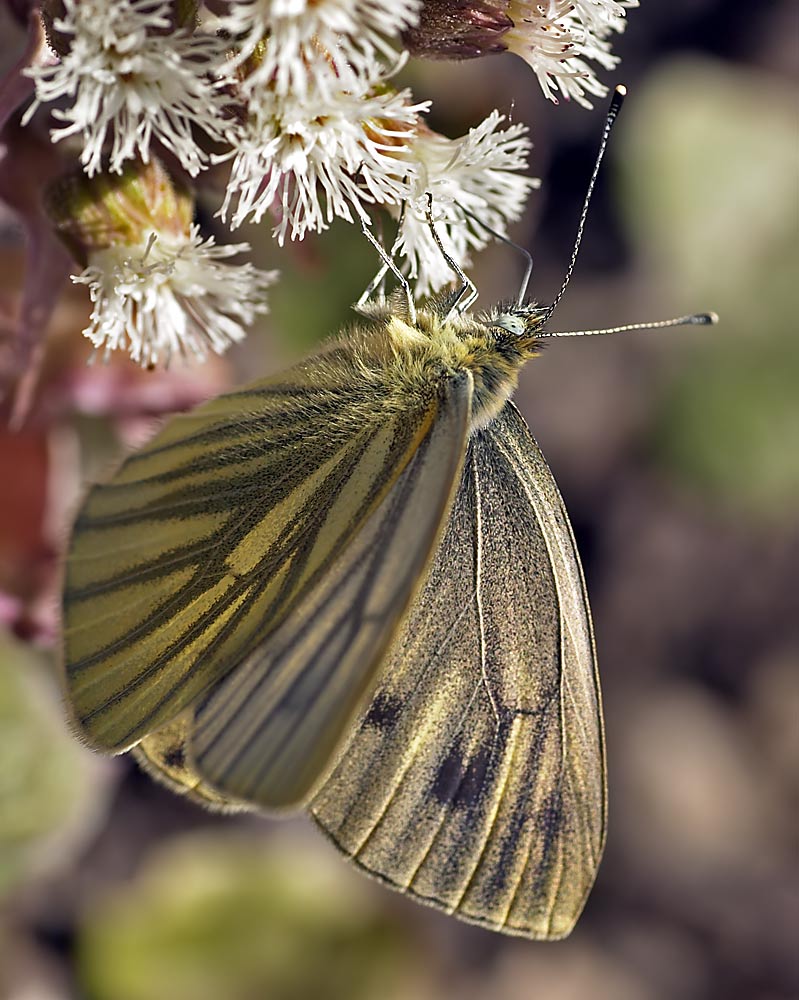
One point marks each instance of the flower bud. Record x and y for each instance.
(458, 29)
(109, 209)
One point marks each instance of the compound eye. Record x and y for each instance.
(513, 322)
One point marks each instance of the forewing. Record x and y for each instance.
(475, 779)
(267, 733)
(205, 539)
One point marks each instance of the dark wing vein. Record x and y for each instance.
(267, 732)
(205, 539)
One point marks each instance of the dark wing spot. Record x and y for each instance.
(175, 756)
(550, 821)
(447, 781)
(460, 783)
(472, 785)
(383, 713)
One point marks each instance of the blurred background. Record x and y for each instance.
(678, 455)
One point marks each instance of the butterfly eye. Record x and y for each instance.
(513, 322)
(519, 320)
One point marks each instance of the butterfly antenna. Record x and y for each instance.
(615, 106)
(528, 271)
(466, 283)
(695, 319)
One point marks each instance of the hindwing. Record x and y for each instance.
(475, 778)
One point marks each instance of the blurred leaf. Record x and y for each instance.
(242, 917)
(320, 280)
(48, 793)
(710, 170)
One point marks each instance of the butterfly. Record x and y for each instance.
(353, 588)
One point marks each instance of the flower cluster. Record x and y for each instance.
(560, 39)
(172, 297)
(133, 76)
(293, 101)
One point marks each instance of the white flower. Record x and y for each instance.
(560, 38)
(315, 43)
(597, 15)
(133, 77)
(481, 173)
(171, 296)
(313, 158)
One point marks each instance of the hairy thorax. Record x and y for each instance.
(404, 360)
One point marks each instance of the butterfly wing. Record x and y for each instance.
(206, 539)
(475, 778)
(164, 756)
(267, 732)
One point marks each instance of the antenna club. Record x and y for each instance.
(707, 319)
(616, 102)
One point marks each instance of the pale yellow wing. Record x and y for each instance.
(266, 734)
(475, 780)
(205, 539)
(164, 756)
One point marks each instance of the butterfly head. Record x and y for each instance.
(520, 321)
